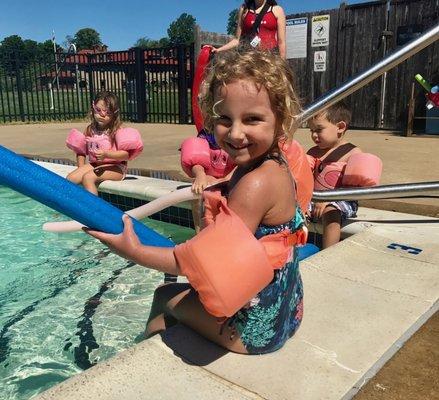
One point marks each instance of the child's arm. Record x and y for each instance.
(281, 30)
(162, 259)
(259, 196)
(200, 181)
(80, 160)
(121, 155)
(235, 41)
(127, 245)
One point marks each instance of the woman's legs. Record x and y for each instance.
(182, 303)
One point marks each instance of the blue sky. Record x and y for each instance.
(121, 23)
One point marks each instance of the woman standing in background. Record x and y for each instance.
(269, 33)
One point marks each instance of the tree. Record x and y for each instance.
(232, 22)
(31, 50)
(146, 43)
(69, 40)
(12, 49)
(181, 31)
(86, 38)
(12, 44)
(164, 42)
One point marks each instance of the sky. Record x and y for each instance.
(121, 23)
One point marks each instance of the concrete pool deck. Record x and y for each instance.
(357, 315)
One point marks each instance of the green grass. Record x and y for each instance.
(37, 105)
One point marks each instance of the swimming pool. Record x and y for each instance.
(66, 302)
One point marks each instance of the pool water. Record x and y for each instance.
(66, 302)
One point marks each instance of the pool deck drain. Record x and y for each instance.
(364, 297)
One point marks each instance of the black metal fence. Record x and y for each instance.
(153, 85)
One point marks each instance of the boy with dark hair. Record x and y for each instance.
(337, 163)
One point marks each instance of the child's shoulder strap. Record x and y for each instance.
(339, 152)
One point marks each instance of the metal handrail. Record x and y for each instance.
(397, 191)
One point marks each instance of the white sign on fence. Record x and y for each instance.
(320, 61)
(320, 30)
(297, 35)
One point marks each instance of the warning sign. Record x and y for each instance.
(320, 30)
(319, 61)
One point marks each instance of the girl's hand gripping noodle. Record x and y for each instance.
(226, 264)
(362, 169)
(76, 141)
(196, 151)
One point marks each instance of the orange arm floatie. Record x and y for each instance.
(301, 171)
(226, 264)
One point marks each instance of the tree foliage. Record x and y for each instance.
(181, 31)
(232, 22)
(12, 44)
(146, 43)
(87, 38)
(18, 53)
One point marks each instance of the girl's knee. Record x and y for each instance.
(331, 214)
(74, 177)
(167, 295)
(89, 177)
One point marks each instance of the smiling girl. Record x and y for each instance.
(251, 106)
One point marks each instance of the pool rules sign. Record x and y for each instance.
(320, 30)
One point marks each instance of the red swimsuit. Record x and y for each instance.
(267, 29)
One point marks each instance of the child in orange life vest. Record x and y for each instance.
(250, 106)
(107, 145)
(337, 163)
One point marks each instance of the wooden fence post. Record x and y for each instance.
(411, 112)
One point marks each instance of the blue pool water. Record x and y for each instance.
(66, 302)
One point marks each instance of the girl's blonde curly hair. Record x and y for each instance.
(264, 69)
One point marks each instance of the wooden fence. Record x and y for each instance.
(361, 35)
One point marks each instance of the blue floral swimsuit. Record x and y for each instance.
(275, 313)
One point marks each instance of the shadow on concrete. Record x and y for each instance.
(191, 347)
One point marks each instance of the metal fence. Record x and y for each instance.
(153, 85)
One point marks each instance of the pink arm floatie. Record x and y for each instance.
(76, 141)
(226, 264)
(129, 139)
(362, 169)
(195, 151)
